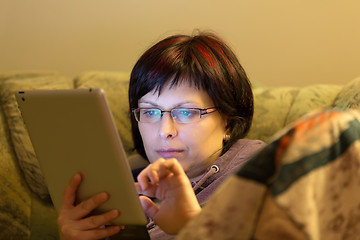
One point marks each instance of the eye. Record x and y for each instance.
(150, 113)
(186, 113)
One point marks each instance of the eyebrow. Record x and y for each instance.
(157, 106)
(148, 102)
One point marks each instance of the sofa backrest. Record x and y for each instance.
(274, 109)
(277, 107)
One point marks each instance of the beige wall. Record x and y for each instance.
(279, 42)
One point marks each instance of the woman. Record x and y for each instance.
(191, 101)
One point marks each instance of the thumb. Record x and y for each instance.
(150, 208)
(138, 188)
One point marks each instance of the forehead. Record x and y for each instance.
(176, 95)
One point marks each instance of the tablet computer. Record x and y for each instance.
(73, 131)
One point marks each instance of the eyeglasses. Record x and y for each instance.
(179, 115)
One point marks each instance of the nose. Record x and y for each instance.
(167, 127)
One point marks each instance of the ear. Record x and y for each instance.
(226, 137)
(226, 125)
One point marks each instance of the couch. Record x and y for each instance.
(26, 211)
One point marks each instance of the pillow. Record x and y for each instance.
(275, 108)
(18, 133)
(271, 108)
(311, 98)
(15, 202)
(349, 96)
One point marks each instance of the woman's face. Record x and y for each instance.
(195, 145)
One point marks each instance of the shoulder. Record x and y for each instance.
(244, 148)
(239, 153)
(247, 146)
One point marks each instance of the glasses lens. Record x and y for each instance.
(148, 115)
(185, 115)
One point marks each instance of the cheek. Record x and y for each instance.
(207, 139)
(147, 136)
(146, 132)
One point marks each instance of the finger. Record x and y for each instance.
(148, 191)
(149, 175)
(138, 188)
(70, 191)
(164, 171)
(153, 171)
(87, 206)
(97, 221)
(149, 206)
(83, 227)
(143, 179)
(171, 166)
(158, 170)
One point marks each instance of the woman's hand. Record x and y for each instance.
(167, 181)
(74, 221)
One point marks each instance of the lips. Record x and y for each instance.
(169, 153)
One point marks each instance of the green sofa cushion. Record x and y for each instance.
(19, 136)
(349, 96)
(274, 108)
(14, 195)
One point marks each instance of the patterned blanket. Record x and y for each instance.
(304, 185)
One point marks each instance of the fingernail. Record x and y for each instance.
(115, 213)
(105, 196)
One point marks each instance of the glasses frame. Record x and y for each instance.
(202, 111)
